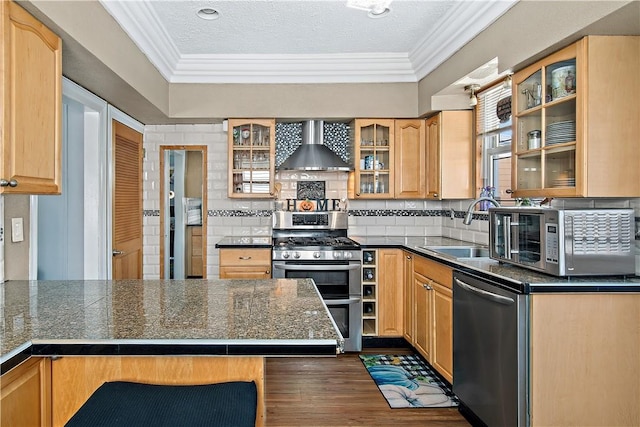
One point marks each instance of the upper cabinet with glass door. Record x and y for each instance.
(251, 158)
(373, 175)
(576, 127)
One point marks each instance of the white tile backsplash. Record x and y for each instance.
(214, 138)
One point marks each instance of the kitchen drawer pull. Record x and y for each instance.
(308, 267)
(244, 257)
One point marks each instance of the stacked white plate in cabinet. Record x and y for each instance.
(564, 182)
(560, 132)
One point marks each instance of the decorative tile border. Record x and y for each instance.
(396, 212)
(222, 213)
(354, 213)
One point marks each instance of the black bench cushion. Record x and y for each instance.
(123, 403)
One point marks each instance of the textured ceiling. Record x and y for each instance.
(287, 41)
(290, 27)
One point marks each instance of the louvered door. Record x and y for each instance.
(127, 204)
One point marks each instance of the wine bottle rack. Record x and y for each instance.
(369, 292)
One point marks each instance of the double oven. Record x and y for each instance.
(315, 245)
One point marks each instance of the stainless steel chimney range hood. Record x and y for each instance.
(313, 155)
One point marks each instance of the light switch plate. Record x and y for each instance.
(17, 232)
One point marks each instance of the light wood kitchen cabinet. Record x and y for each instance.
(25, 394)
(410, 159)
(251, 158)
(195, 261)
(433, 301)
(31, 104)
(584, 365)
(409, 306)
(422, 299)
(390, 293)
(575, 121)
(449, 146)
(373, 177)
(442, 351)
(245, 263)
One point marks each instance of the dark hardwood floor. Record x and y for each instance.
(314, 392)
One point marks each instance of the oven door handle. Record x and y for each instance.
(332, 302)
(309, 267)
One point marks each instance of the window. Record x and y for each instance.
(493, 139)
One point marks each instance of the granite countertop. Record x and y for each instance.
(511, 276)
(271, 317)
(245, 242)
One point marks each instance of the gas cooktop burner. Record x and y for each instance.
(316, 241)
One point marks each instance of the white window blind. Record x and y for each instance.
(487, 120)
(494, 137)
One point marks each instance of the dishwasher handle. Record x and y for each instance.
(485, 294)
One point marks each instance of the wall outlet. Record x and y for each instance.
(17, 230)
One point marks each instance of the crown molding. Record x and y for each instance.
(326, 68)
(140, 22)
(459, 26)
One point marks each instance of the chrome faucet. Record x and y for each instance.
(469, 216)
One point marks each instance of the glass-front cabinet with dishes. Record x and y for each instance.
(545, 125)
(571, 113)
(251, 158)
(373, 175)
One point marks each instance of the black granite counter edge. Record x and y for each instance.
(244, 245)
(15, 359)
(324, 348)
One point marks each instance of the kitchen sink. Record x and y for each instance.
(461, 251)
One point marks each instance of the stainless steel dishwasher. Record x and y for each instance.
(490, 359)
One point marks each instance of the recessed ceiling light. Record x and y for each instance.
(378, 13)
(208, 13)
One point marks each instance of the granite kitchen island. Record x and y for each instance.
(169, 332)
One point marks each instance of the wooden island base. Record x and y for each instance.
(74, 379)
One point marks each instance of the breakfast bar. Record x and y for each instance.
(156, 331)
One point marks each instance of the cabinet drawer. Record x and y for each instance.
(253, 272)
(434, 271)
(242, 257)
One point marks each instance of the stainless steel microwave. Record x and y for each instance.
(564, 242)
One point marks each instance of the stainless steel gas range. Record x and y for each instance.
(315, 245)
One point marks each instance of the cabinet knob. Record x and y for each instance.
(427, 287)
(268, 272)
(5, 183)
(408, 257)
(435, 195)
(116, 252)
(508, 191)
(358, 194)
